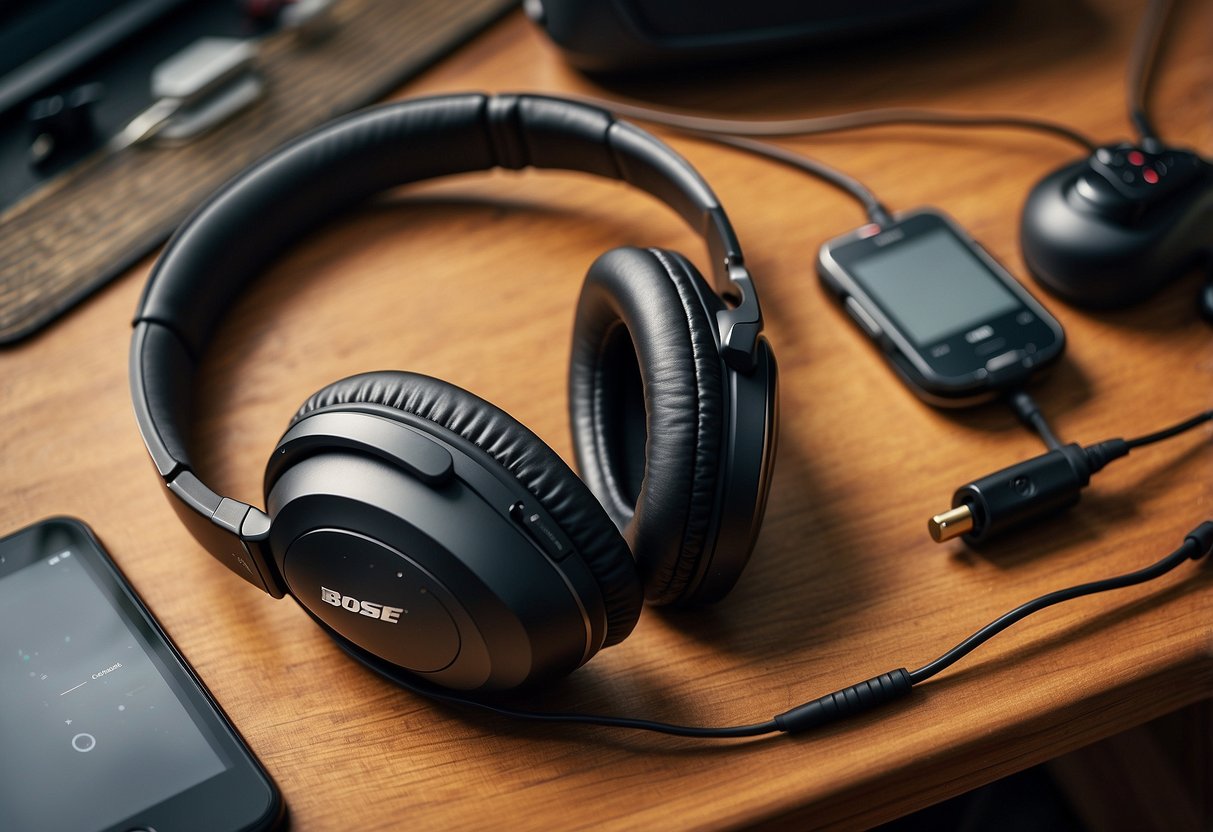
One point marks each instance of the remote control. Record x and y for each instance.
(1112, 229)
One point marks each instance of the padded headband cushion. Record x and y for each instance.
(646, 399)
(536, 466)
(244, 225)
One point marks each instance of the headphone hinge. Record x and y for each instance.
(740, 325)
(236, 534)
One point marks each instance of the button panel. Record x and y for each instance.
(538, 530)
(1008, 344)
(1142, 175)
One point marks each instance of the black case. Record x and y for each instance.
(614, 35)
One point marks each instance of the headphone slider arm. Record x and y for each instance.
(219, 524)
(740, 325)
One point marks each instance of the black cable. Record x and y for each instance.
(858, 120)
(852, 699)
(728, 732)
(1029, 413)
(1141, 63)
(874, 208)
(1174, 430)
(735, 133)
(1188, 550)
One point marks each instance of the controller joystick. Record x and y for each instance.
(1112, 229)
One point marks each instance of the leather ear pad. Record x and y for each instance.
(537, 467)
(646, 398)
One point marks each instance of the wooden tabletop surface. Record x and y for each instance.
(474, 280)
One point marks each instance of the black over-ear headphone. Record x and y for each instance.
(424, 528)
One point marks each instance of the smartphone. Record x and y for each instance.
(103, 725)
(951, 321)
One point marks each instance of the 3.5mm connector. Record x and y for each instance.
(1041, 485)
(952, 523)
(1029, 489)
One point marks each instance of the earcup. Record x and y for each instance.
(646, 405)
(538, 468)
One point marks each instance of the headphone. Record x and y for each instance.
(422, 527)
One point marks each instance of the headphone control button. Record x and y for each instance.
(540, 531)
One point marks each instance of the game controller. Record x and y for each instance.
(1112, 229)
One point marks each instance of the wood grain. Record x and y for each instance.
(474, 280)
(82, 229)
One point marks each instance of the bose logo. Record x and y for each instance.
(370, 610)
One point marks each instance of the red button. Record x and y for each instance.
(1150, 175)
(1135, 158)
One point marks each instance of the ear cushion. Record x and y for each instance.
(537, 467)
(646, 401)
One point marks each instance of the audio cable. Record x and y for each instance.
(1025, 407)
(872, 206)
(844, 122)
(1041, 485)
(853, 699)
(1141, 63)
(738, 134)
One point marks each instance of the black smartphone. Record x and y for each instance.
(953, 323)
(103, 725)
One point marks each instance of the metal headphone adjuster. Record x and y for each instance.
(740, 325)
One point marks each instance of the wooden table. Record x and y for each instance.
(474, 280)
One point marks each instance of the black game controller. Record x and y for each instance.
(1112, 229)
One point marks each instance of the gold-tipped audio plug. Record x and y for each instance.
(952, 523)
(1041, 485)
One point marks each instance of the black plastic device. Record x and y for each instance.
(621, 35)
(105, 726)
(1112, 229)
(953, 323)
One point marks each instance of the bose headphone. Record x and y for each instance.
(424, 528)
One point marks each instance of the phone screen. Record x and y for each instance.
(92, 730)
(932, 286)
